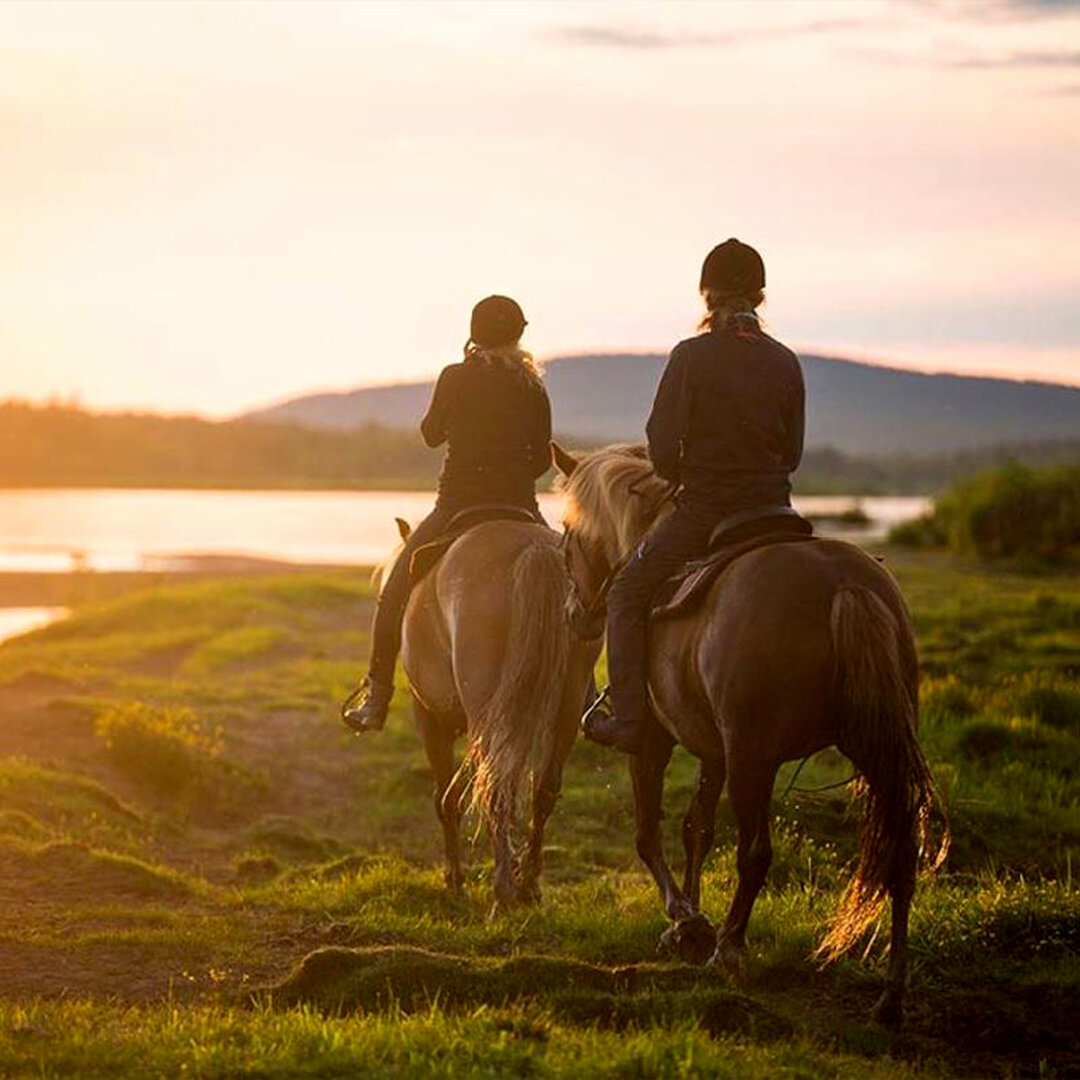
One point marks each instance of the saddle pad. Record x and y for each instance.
(685, 592)
(425, 558)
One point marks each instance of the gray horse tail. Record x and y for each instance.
(515, 732)
(877, 684)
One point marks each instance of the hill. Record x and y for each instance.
(856, 408)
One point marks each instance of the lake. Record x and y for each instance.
(59, 531)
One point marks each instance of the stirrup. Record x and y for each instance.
(600, 705)
(601, 726)
(365, 709)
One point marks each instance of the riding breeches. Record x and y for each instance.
(390, 609)
(678, 538)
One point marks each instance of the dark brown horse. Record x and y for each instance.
(489, 654)
(797, 647)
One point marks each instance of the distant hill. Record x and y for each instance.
(856, 408)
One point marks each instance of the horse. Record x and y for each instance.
(489, 653)
(796, 647)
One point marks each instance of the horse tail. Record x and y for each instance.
(515, 731)
(877, 680)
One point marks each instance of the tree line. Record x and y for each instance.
(64, 446)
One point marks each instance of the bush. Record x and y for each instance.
(166, 749)
(1009, 512)
(920, 532)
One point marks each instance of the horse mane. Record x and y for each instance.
(613, 497)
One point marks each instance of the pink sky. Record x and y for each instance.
(207, 206)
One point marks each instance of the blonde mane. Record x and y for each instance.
(613, 497)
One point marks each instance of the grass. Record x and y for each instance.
(202, 874)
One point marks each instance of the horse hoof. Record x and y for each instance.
(889, 1011)
(692, 939)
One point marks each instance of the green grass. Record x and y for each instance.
(202, 874)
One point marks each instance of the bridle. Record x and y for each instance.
(592, 608)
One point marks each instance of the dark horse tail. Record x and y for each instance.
(878, 693)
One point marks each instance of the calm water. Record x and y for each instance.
(57, 531)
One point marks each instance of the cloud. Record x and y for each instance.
(1022, 58)
(996, 10)
(621, 37)
(1031, 59)
(993, 9)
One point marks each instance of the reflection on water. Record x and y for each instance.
(21, 620)
(58, 531)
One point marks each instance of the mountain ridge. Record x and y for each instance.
(854, 406)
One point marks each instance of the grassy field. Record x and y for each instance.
(202, 874)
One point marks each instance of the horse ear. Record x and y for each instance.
(404, 528)
(565, 462)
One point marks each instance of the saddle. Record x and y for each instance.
(425, 557)
(733, 537)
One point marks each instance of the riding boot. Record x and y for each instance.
(601, 726)
(366, 708)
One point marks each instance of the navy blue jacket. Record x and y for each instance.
(729, 418)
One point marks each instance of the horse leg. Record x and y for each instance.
(699, 825)
(750, 793)
(545, 793)
(889, 1009)
(439, 747)
(691, 934)
(504, 880)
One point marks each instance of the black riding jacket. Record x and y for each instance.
(728, 419)
(497, 424)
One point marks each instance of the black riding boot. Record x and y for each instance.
(621, 724)
(366, 708)
(601, 726)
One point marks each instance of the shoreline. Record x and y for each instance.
(67, 589)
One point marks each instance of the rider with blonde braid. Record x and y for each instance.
(493, 413)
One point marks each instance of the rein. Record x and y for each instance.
(813, 791)
(599, 599)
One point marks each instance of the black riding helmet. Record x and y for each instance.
(496, 320)
(733, 267)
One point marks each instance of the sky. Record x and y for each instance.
(209, 206)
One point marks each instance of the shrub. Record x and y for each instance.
(1014, 511)
(166, 749)
(920, 532)
(1008, 512)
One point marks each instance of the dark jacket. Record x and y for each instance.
(728, 418)
(497, 425)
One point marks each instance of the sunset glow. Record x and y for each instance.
(210, 206)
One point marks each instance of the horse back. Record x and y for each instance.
(754, 668)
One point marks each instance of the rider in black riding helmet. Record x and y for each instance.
(726, 425)
(493, 412)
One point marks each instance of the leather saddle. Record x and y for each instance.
(425, 557)
(734, 536)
